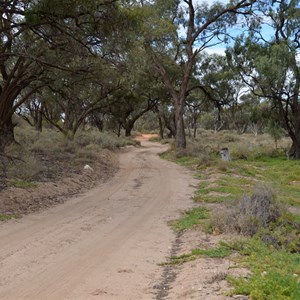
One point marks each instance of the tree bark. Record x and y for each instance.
(128, 131)
(6, 134)
(39, 121)
(161, 130)
(170, 125)
(180, 138)
(294, 152)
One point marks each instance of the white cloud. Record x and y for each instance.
(211, 2)
(216, 50)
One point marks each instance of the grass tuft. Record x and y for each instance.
(7, 217)
(190, 218)
(21, 183)
(223, 250)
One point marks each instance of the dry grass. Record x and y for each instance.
(47, 155)
(249, 214)
(244, 146)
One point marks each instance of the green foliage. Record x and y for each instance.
(21, 183)
(272, 254)
(274, 274)
(7, 217)
(190, 218)
(220, 252)
(275, 131)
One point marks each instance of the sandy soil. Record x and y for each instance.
(104, 244)
(107, 243)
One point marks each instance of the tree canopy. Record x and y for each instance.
(70, 62)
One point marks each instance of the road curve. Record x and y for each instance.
(104, 244)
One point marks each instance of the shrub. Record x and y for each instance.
(106, 140)
(25, 168)
(250, 213)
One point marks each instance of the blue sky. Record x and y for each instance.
(220, 49)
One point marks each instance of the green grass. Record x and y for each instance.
(274, 274)
(190, 219)
(272, 255)
(223, 250)
(7, 217)
(21, 183)
(241, 176)
(187, 161)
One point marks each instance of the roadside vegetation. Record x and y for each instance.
(254, 197)
(49, 167)
(44, 155)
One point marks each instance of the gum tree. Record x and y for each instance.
(33, 34)
(269, 63)
(178, 32)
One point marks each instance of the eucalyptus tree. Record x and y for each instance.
(32, 111)
(175, 33)
(268, 61)
(139, 91)
(221, 85)
(76, 96)
(32, 35)
(197, 102)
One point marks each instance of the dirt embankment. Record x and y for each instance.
(59, 181)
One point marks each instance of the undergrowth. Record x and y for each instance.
(190, 218)
(223, 250)
(21, 183)
(41, 156)
(275, 274)
(4, 217)
(270, 234)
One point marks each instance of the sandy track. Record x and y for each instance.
(103, 245)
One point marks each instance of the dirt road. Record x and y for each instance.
(104, 244)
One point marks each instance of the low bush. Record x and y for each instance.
(23, 165)
(248, 215)
(106, 140)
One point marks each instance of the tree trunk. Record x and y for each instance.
(6, 134)
(161, 130)
(180, 138)
(195, 131)
(39, 121)
(170, 125)
(128, 128)
(294, 152)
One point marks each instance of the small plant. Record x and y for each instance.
(190, 219)
(21, 183)
(7, 217)
(155, 139)
(217, 277)
(25, 167)
(223, 250)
